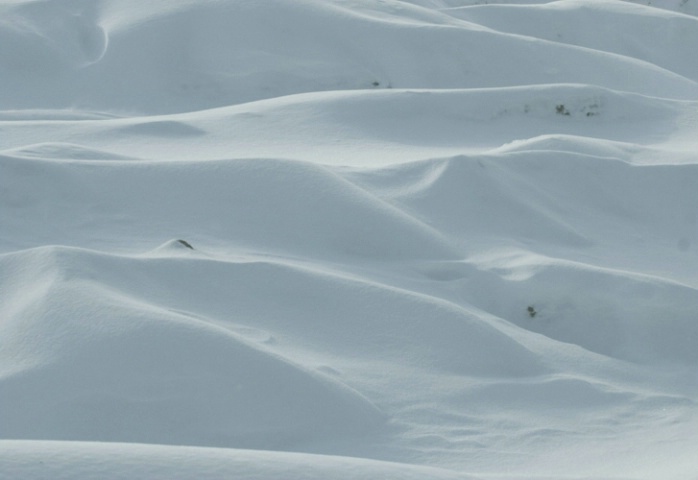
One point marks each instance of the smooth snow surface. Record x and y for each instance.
(349, 239)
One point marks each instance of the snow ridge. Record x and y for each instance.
(348, 239)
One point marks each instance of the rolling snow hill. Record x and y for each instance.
(349, 239)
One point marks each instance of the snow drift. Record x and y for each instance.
(348, 239)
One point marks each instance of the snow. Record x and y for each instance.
(348, 239)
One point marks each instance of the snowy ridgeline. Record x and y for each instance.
(125, 57)
(348, 239)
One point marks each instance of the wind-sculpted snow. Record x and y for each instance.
(365, 128)
(551, 22)
(189, 55)
(36, 460)
(88, 361)
(348, 239)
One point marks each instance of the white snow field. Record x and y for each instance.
(349, 239)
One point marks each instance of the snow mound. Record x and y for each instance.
(394, 126)
(61, 151)
(552, 22)
(90, 362)
(260, 203)
(36, 460)
(63, 54)
(655, 325)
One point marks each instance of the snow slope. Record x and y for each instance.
(348, 239)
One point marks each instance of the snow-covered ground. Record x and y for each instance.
(349, 239)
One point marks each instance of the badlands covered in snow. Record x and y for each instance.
(349, 239)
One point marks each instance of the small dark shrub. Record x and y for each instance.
(561, 110)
